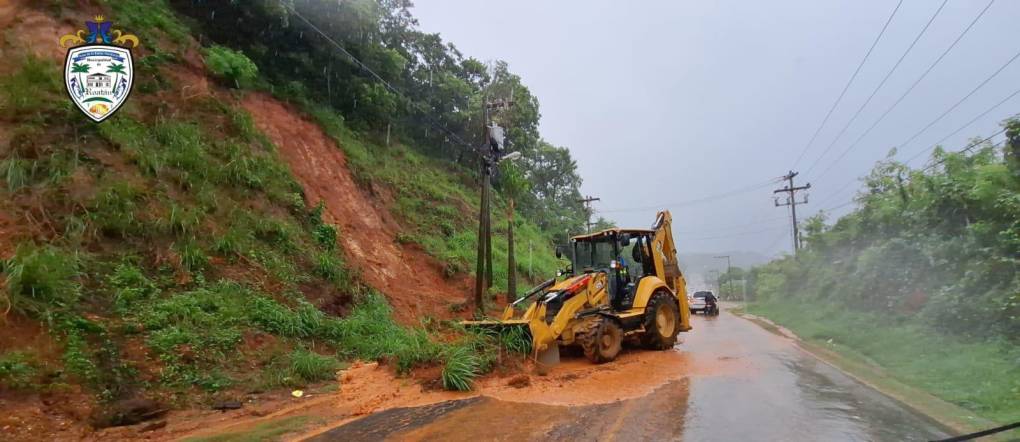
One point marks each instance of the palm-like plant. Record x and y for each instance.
(79, 69)
(118, 69)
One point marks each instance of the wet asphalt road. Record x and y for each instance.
(778, 392)
(744, 383)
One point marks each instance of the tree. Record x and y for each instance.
(1012, 150)
(513, 184)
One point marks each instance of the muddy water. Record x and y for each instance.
(656, 416)
(730, 381)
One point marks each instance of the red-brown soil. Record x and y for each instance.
(411, 280)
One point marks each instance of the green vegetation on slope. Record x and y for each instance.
(172, 253)
(437, 111)
(922, 278)
(437, 202)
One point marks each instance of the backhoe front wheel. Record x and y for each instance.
(603, 341)
(662, 317)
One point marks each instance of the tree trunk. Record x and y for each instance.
(511, 270)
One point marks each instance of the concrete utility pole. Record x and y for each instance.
(728, 268)
(587, 208)
(791, 200)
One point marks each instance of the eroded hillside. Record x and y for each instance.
(209, 244)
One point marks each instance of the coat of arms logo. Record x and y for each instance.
(98, 71)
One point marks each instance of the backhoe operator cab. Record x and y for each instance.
(624, 255)
(622, 283)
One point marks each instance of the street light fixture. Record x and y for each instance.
(510, 156)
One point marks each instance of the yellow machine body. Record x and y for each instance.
(585, 309)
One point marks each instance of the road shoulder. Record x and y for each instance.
(951, 417)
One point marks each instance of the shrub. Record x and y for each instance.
(231, 65)
(130, 286)
(77, 357)
(17, 370)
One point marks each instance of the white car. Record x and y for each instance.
(697, 301)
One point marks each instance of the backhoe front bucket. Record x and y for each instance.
(546, 359)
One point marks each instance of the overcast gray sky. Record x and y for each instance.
(667, 102)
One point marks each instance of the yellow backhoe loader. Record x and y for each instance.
(621, 284)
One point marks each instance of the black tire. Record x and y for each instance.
(662, 322)
(605, 342)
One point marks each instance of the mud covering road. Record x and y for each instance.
(742, 383)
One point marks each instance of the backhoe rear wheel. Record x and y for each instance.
(603, 341)
(662, 317)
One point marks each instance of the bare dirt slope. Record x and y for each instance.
(412, 280)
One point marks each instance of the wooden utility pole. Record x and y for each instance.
(484, 263)
(491, 153)
(791, 200)
(587, 209)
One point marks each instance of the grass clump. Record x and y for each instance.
(40, 279)
(114, 210)
(312, 367)
(232, 66)
(461, 367)
(34, 88)
(149, 19)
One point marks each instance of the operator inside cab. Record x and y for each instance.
(635, 262)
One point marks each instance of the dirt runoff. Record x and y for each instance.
(370, 388)
(411, 280)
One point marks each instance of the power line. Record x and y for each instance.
(941, 116)
(733, 235)
(390, 87)
(848, 83)
(914, 85)
(829, 209)
(968, 148)
(837, 192)
(696, 200)
(954, 106)
(972, 121)
(934, 145)
(757, 222)
(877, 88)
(776, 242)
